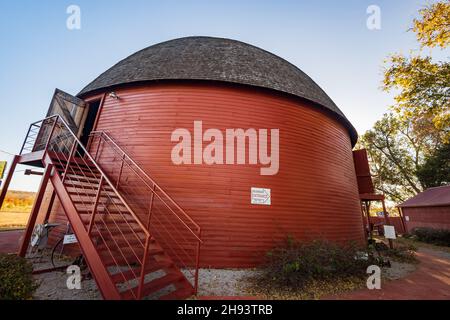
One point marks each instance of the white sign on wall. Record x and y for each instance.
(70, 238)
(260, 196)
(389, 232)
(407, 218)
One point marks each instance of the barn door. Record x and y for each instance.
(68, 107)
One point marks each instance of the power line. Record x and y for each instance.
(3, 151)
(15, 171)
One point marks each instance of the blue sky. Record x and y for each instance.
(328, 40)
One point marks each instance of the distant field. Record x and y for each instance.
(16, 209)
(13, 220)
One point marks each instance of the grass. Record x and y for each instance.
(13, 220)
(16, 210)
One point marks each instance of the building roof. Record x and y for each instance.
(216, 59)
(433, 197)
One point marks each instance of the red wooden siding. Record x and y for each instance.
(364, 178)
(430, 217)
(314, 194)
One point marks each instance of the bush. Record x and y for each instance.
(440, 237)
(297, 264)
(16, 281)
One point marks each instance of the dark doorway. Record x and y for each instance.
(90, 121)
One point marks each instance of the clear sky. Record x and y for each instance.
(327, 39)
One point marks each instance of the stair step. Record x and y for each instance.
(153, 286)
(133, 241)
(108, 235)
(76, 167)
(60, 160)
(129, 275)
(110, 217)
(119, 221)
(79, 163)
(124, 258)
(132, 255)
(80, 178)
(116, 233)
(86, 203)
(126, 250)
(91, 192)
(76, 173)
(73, 183)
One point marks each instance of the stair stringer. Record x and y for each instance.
(93, 260)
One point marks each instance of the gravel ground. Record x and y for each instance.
(398, 270)
(52, 285)
(212, 282)
(224, 282)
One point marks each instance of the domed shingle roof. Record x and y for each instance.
(217, 59)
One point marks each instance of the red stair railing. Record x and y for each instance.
(30, 143)
(177, 233)
(116, 227)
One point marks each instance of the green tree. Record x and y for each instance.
(395, 155)
(435, 170)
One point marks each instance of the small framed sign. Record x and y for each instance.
(70, 238)
(260, 196)
(389, 232)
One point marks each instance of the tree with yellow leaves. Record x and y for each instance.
(407, 147)
(433, 29)
(424, 85)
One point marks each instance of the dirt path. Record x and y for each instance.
(431, 281)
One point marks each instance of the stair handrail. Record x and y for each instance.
(155, 190)
(58, 120)
(25, 142)
(103, 174)
(103, 133)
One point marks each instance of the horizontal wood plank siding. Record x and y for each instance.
(314, 194)
(428, 217)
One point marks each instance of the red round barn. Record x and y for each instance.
(228, 84)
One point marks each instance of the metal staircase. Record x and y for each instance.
(138, 243)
